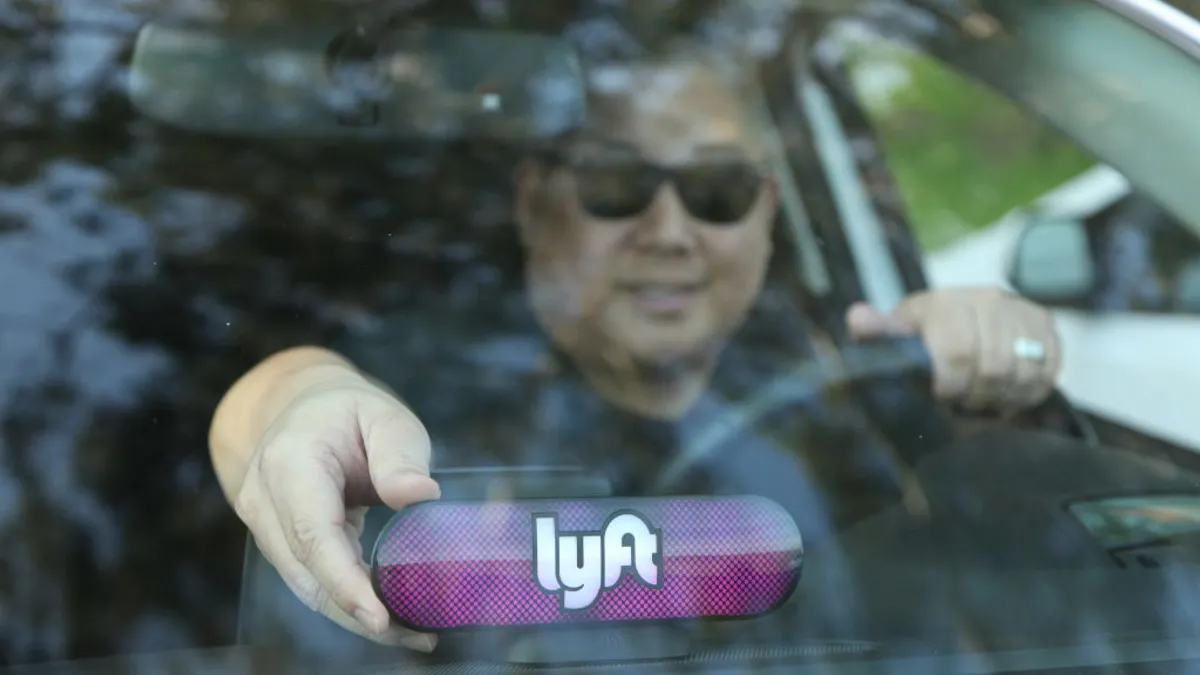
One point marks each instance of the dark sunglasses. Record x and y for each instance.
(719, 191)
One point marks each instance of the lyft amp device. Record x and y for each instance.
(452, 566)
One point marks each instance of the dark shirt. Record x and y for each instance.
(492, 393)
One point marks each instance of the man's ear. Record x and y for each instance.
(527, 182)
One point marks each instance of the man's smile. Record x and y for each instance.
(663, 299)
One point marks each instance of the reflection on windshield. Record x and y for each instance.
(144, 269)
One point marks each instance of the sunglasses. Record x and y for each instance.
(719, 192)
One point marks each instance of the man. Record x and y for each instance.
(648, 239)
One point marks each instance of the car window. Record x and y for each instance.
(970, 164)
(962, 155)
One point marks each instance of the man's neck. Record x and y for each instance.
(663, 392)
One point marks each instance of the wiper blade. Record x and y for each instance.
(1185, 544)
(1144, 544)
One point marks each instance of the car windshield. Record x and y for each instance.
(476, 337)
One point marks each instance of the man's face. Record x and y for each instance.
(649, 238)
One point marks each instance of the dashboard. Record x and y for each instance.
(987, 566)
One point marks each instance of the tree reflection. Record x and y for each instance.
(142, 269)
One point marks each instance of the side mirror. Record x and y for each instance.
(1053, 262)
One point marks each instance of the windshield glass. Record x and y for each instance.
(674, 336)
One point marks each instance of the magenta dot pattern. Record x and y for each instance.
(443, 566)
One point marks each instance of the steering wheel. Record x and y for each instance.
(892, 378)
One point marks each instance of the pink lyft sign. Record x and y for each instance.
(456, 565)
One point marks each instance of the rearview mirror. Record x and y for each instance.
(324, 81)
(1053, 262)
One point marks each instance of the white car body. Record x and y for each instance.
(1138, 369)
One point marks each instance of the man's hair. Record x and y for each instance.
(609, 89)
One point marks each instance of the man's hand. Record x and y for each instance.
(991, 350)
(328, 455)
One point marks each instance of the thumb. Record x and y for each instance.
(398, 450)
(865, 322)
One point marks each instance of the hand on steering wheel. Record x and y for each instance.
(896, 372)
(979, 348)
(991, 350)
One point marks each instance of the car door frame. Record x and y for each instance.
(904, 252)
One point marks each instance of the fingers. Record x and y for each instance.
(327, 454)
(259, 513)
(953, 343)
(270, 538)
(973, 337)
(308, 500)
(995, 374)
(951, 340)
(1028, 381)
(295, 504)
(866, 322)
(322, 566)
(398, 450)
(305, 586)
(1006, 379)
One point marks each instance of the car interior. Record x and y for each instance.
(1036, 544)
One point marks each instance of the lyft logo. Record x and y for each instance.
(582, 564)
